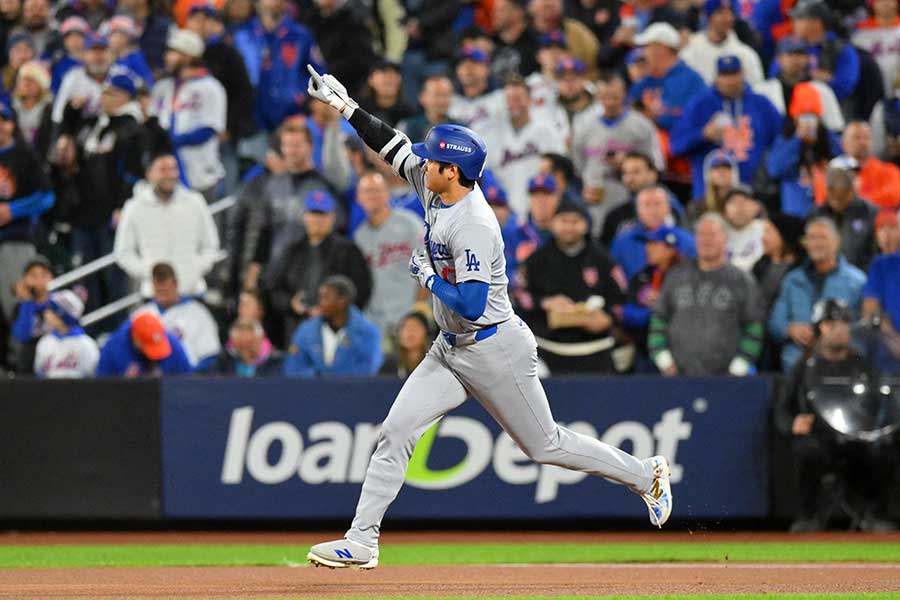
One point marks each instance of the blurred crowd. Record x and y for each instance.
(678, 183)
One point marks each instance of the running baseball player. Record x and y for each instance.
(484, 349)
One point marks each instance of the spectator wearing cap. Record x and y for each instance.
(670, 84)
(382, 96)
(153, 24)
(26, 313)
(269, 208)
(653, 210)
(98, 177)
(476, 102)
(791, 91)
(720, 174)
(226, 65)
(879, 181)
(798, 158)
(573, 98)
(387, 238)
(33, 103)
(881, 293)
(728, 116)
(542, 83)
(344, 38)
(166, 222)
(339, 340)
(191, 106)
(141, 347)
(853, 216)
(123, 36)
(25, 195)
(719, 39)
(602, 140)
(291, 281)
(638, 172)
(19, 50)
(184, 317)
(880, 36)
(707, 319)
(544, 198)
(276, 50)
(82, 85)
(744, 227)
(574, 291)
(826, 274)
(248, 352)
(65, 351)
(834, 62)
(547, 16)
(661, 247)
(73, 32)
(434, 98)
(515, 40)
(517, 143)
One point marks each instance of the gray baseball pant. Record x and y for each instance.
(501, 373)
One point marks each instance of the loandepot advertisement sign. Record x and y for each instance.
(300, 449)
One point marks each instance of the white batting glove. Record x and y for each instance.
(420, 269)
(330, 91)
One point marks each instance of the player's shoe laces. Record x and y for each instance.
(341, 554)
(659, 497)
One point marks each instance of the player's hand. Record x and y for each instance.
(803, 424)
(420, 269)
(330, 91)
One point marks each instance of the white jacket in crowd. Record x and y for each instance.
(701, 55)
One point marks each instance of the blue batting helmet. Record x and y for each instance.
(454, 144)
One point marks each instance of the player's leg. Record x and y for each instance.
(430, 392)
(501, 372)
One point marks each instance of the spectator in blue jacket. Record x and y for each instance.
(33, 299)
(882, 291)
(151, 21)
(72, 31)
(825, 275)
(653, 212)
(276, 50)
(123, 38)
(670, 84)
(340, 341)
(142, 347)
(833, 62)
(729, 116)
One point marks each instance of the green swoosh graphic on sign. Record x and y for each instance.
(418, 471)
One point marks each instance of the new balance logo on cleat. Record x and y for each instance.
(343, 553)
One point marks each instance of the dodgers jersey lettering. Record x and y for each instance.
(463, 241)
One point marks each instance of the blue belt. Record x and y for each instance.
(466, 339)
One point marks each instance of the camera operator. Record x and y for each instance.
(817, 448)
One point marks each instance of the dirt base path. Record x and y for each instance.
(307, 582)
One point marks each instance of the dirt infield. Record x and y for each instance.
(386, 581)
(308, 582)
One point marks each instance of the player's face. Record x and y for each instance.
(653, 208)
(568, 228)
(372, 193)
(711, 240)
(435, 180)
(165, 292)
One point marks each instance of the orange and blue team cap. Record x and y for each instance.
(471, 53)
(456, 145)
(148, 333)
(95, 40)
(319, 201)
(542, 183)
(571, 65)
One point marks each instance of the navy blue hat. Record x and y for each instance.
(665, 234)
(554, 38)
(15, 38)
(6, 111)
(712, 6)
(727, 65)
(470, 53)
(454, 144)
(493, 191)
(542, 183)
(720, 158)
(791, 44)
(319, 201)
(95, 40)
(122, 82)
(207, 9)
(572, 65)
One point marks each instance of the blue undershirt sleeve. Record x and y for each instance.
(467, 299)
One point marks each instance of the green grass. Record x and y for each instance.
(158, 555)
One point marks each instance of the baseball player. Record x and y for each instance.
(484, 349)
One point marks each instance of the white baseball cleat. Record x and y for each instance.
(341, 554)
(659, 497)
